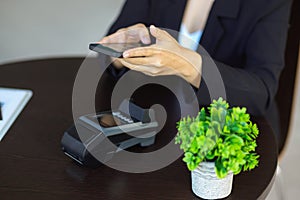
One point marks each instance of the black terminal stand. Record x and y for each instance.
(126, 127)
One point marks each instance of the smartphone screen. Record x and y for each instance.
(114, 49)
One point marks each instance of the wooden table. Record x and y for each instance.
(32, 165)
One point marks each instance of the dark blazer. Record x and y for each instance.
(246, 39)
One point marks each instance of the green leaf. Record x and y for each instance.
(202, 115)
(177, 139)
(220, 169)
(188, 157)
(194, 146)
(255, 129)
(211, 155)
(194, 127)
(191, 166)
(235, 139)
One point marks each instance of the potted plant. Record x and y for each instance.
(218, 143)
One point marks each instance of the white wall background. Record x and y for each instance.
(32, 29)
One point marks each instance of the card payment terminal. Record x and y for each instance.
(103, 134)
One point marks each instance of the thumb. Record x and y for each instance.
(160, 34)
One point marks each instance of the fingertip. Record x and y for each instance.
(153, 30)
(125, 54)
(152, 26)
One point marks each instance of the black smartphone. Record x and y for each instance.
(114, 49)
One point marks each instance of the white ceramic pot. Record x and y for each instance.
(207, 185)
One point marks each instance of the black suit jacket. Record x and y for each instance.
(246, 39)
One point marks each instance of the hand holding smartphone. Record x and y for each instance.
(114, 49)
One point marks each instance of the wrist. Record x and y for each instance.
(192, 73)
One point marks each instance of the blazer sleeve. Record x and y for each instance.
(254, 85)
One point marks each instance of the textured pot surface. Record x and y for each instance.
(207, 185)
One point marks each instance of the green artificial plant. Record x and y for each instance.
(219, 134)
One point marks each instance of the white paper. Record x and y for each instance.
(13, 101)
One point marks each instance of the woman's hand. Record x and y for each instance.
(166, 57)
(131, 34)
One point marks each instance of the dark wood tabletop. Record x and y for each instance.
(33, 166)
